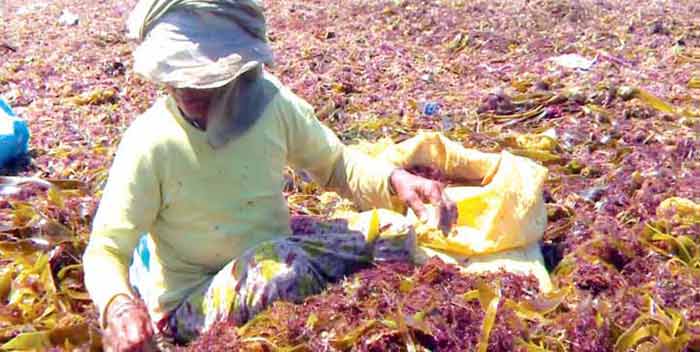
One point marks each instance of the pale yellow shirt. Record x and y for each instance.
(204, 207)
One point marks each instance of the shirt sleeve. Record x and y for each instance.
(128, 208)
(315, 148)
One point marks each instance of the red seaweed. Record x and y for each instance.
(371, 69)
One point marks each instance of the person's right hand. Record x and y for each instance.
(415, 190)
(128, 327)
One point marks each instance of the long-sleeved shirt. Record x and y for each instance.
(203, 207)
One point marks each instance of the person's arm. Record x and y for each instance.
(313, 147)
(368, 181)
(129, 205)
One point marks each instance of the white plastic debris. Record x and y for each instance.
(68, 18)
(575, 61)
(26, 9)
(551, 133)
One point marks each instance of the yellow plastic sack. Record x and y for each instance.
(506, 211)
(501, 220)
(524, 260)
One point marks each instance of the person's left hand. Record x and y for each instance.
(415, 191)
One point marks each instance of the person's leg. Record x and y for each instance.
(289, 269)
(271, 271)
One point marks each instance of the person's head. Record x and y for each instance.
(194, 103)
(201, 53)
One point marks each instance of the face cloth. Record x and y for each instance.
(206, 44)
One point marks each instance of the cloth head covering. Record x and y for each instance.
(206, 44)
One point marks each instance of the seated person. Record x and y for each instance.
(193, 226)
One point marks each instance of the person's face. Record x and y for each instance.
(194, 103)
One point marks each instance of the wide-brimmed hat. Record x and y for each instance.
(198, 43)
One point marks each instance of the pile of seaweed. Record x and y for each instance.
(604, 93)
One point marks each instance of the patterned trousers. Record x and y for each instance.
(288, 269)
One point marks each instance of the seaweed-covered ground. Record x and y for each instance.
(618, 127)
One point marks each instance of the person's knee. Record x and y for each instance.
(291, 280)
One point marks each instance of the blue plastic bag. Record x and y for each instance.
(430, 108)
(14, 135)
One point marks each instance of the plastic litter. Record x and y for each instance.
(14, 135)
(431, 108)
(68, 18)
(575, 61)
(27, 9)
